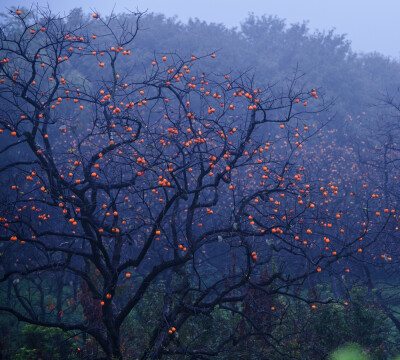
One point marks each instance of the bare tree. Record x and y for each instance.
(121, 181)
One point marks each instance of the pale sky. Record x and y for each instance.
(370, 25)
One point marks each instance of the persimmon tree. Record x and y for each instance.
(378, 158)
(171, 187)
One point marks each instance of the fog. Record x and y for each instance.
(370, 25)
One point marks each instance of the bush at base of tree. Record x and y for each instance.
(46, 344)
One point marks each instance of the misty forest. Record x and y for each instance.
(188, 191)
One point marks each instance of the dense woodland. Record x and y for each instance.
(188, 191)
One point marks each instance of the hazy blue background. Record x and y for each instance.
(371, 25)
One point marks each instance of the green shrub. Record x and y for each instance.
(46, 344)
